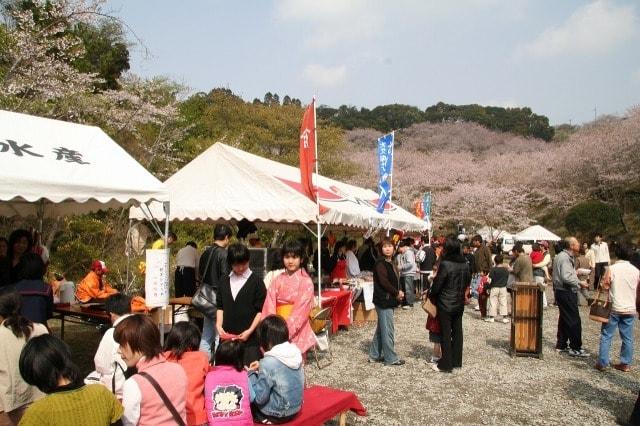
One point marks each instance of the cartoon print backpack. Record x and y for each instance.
(227, 399)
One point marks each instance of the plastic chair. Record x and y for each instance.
(321, 325)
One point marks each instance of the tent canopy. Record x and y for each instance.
(536, 233)
(54, 168)
(225, 183)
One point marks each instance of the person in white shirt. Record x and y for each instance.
(601, 255)
(110, 368)
(185, 276)
(353, 266)
(621, 280)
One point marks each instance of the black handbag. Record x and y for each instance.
(204, 299)
(600, 309)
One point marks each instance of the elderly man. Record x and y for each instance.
(565, 286)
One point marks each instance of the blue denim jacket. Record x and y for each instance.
(278, 386)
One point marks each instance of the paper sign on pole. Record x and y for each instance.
(156, 281)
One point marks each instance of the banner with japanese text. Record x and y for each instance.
(426, 206)
(385, 170)
(308, 150)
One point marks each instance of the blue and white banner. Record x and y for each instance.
(385, 169)
(426, 205)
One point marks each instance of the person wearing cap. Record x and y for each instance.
(95, 285)
(541, 265)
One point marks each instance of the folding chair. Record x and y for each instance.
(321, 325)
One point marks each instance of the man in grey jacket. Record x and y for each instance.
(407, 267)
(565, 286)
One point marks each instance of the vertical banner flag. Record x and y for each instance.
(385, 169)
(308, 150)
(426, 205)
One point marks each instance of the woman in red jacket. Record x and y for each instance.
(181, 347)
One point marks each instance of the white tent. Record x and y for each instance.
(225, 183)
(536, 233)
(52, 168)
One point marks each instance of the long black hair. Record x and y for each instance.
(452, 251)
(45, 360)
(13, 239)
(10, 311)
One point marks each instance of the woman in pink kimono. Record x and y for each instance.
(291, 296)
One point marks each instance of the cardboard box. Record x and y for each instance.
(359, 313)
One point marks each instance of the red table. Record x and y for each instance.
(340, 303)
(321, 404)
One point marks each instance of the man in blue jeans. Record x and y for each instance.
(621, 280)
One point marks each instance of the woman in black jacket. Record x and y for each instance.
(385, 297)
(448, 293)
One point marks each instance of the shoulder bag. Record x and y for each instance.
(599, 310)
(204, 299)
(165, 399)
(429, 307)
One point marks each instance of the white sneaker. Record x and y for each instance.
(434, 367)
(581, 353)
(434, 360)
(406, 307)
(489, 319)
(505, 320)
(476, 308)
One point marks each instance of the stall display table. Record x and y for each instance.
(322, 404)
(340, 304)
(179, 305)
(79, 314)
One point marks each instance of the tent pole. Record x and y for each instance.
(165, 206)
(128, 252)
(318, 226)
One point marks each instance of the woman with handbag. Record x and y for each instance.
(386, 296)
(449, 291)
(157, 394)
(621, 281)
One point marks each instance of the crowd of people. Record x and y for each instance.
(245, 363)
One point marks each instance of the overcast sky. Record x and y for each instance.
(561, 58)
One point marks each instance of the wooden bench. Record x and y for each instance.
(321, 404)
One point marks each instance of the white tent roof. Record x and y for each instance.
(225, 183)
(71, 168)
(537, 233)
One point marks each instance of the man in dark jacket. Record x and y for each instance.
(212, 268)
(448, 292)
(482, 255)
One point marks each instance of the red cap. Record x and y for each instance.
(98, 265)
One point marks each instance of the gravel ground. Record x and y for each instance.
(491, 388)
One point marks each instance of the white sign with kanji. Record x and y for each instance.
(156, 282)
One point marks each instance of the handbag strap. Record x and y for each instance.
(164, 398)
(206, 266)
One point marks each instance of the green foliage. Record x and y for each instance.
(264, 128)
(521, 121)
(592, 216)
(106, 52)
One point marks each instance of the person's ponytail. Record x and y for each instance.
(10, 311)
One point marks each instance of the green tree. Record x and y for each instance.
(594, 216)
(106, 52)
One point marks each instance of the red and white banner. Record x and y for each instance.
(308, 150)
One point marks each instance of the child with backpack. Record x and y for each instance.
(278, 379)
(227, 393)
(181, 347)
